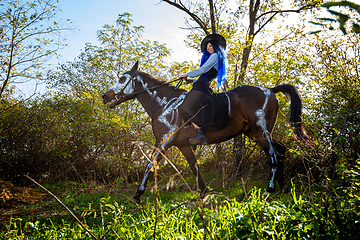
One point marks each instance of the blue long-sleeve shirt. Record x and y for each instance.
(210, 63)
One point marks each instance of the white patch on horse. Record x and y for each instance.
(272, 181)
(144, 85)
(229, 103)
(260, 113)
(160, 101)
(146, 175)
(153, 94)
(170, 110)
(125, 87)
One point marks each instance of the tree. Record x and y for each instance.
(335, 70)
(29, 36)
(209, 18)
(68, 133)
(98, 67)
(92, 72)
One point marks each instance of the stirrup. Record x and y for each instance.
(199, 139)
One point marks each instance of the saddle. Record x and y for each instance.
(215, 112)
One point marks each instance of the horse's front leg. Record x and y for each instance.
(141, 189)
(157, 155)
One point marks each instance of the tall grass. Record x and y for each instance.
(214, 217)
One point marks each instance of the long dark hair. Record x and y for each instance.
(223, 68)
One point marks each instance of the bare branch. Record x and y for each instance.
(67, 209)
(192, 15)
(287, 11)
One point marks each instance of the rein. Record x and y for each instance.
(159, 86)
(177, 86)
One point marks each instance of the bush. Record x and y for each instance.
(62, 138)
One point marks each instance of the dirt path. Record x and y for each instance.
(13, 199)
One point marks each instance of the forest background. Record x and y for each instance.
(67, 134)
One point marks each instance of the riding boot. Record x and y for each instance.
(199, 139)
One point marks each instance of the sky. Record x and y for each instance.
(162, 23)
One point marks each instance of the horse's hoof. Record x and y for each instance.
(270, 189)
(265, 195)
(135, 201)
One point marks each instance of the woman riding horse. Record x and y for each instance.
(197, 106)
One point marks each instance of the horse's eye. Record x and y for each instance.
(122, 79)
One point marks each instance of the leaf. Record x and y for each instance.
(343, 4)
(316, 23)
(328, 19)
(342, 19)
(356, 28)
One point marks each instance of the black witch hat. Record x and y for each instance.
(213, 37)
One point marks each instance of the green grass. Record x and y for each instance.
(217, 218)
(180, 214)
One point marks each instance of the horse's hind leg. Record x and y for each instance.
(273, 159)
(280, 151)
(187, 151)
(275, 153)
(260, 134)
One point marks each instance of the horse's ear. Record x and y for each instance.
(135, 67)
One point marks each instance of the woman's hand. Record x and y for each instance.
(183, 76)
(187, 80)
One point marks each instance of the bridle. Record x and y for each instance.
(120, 95)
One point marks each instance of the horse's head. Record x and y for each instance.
(123, 89)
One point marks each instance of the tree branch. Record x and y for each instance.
(192, 15)
(286, 11)
(67, 209)
(212, 16)
(267, 21)
(10, 65)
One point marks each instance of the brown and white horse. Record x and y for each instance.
(252, 110)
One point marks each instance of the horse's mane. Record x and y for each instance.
(160, 81)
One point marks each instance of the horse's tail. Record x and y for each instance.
(295, 111)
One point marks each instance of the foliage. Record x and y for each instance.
(29, 36)
(70, 134)
(98, 67)
(342, 18)
(335, 106)
(64, 138)
(295, 216)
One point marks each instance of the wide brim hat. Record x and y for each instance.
(213, 37)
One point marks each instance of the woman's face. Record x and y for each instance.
(210, 48)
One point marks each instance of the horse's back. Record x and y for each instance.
(247, 99)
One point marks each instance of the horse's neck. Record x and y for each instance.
(154, 94)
